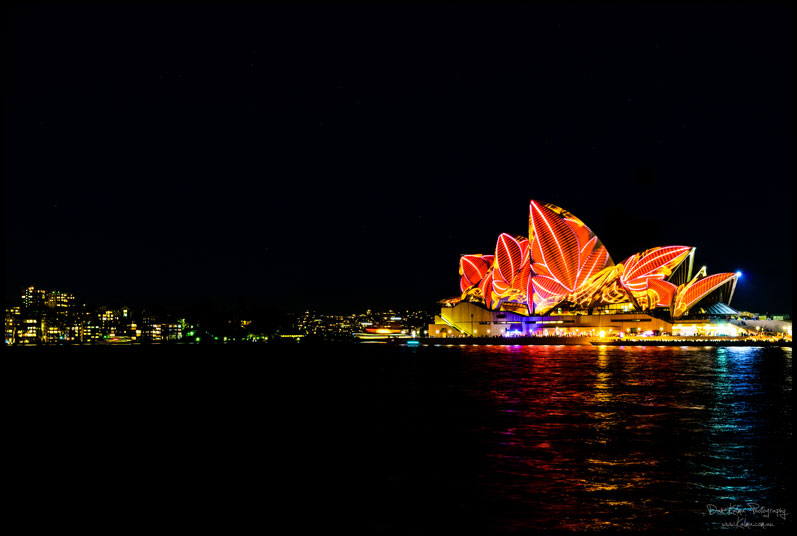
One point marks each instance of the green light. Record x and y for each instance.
(198, 339)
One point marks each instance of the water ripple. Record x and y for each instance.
(591, 439)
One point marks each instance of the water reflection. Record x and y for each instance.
(638, 438)
(728, 470)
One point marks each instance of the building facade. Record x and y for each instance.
(562, 279)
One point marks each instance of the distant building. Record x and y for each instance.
(171, 331)
(28, 330)
(34, 299)
(61, 302)
(12, 316)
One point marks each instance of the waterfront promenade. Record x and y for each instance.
(587, 341)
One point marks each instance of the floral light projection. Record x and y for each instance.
(563, 263)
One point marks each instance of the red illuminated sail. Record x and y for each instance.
(463, 284)
(486, 288)
(654, 263)
(565, 254)
(695, 290)
(511, 257)
(473, 268)
(664, 290)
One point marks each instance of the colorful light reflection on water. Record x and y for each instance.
(398, 440)
(633, 438)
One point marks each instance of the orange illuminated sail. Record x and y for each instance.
(665, 291)
(691, 293)
(472, 268)
(565, 254)
(511, 256)
(654, 263)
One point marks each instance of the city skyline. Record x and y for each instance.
(57, 317)
(342, 158)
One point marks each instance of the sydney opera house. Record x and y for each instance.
(562, 280)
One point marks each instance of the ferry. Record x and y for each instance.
(388, 330)
(116, 339)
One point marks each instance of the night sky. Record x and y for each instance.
(342, 158)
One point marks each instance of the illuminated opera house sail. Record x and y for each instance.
(563, 268)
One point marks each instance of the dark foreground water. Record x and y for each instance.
(373, 439)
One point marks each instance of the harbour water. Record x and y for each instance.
(430, 440)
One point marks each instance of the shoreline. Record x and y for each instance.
(592, 341)
(706, 342)
(452, 341)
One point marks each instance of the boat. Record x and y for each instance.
(115, 340)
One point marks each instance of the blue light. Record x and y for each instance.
(738, 274)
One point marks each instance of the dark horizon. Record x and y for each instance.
(342, 158)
